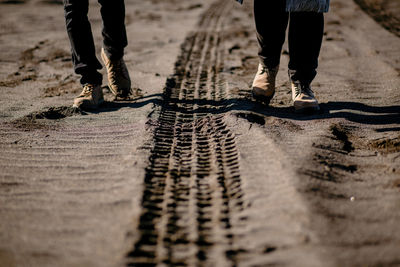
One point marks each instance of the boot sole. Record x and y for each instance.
(262, 99)
(89, 106)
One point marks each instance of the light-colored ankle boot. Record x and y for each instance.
(90, 98)
(303, 97)
(264, 84)
(118, 76)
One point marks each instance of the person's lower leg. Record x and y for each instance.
(81, 39)
(271, 21)
(305, 39)
(114, 31)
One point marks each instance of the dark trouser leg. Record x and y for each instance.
(305, 38)
(271, 22)
(81, 38)
(114, 32)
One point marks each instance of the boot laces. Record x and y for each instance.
(88, 89)
(264, 70)
(302, 88)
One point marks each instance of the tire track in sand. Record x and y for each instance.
(192, 184)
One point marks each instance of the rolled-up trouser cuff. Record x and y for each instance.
(268, 63)
(303, 76)
(90, 76)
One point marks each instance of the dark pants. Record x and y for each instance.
(305, 37)
(81, 38)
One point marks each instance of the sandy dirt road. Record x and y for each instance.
(192, 171)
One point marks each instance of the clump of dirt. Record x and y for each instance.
(277, 124)
(55, 113)
(386, 146)
(35, 120)
(342, 134)
(27, 55)
(17, 78)
(63, 88)
(28, 66)
(190, 7)
(55, 54)
(396, 184)
(252, 118)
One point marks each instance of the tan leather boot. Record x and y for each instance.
(118, 76)
(303, 97)
(90, 98)
(264, 84)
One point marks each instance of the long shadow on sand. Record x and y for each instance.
(351, 111)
